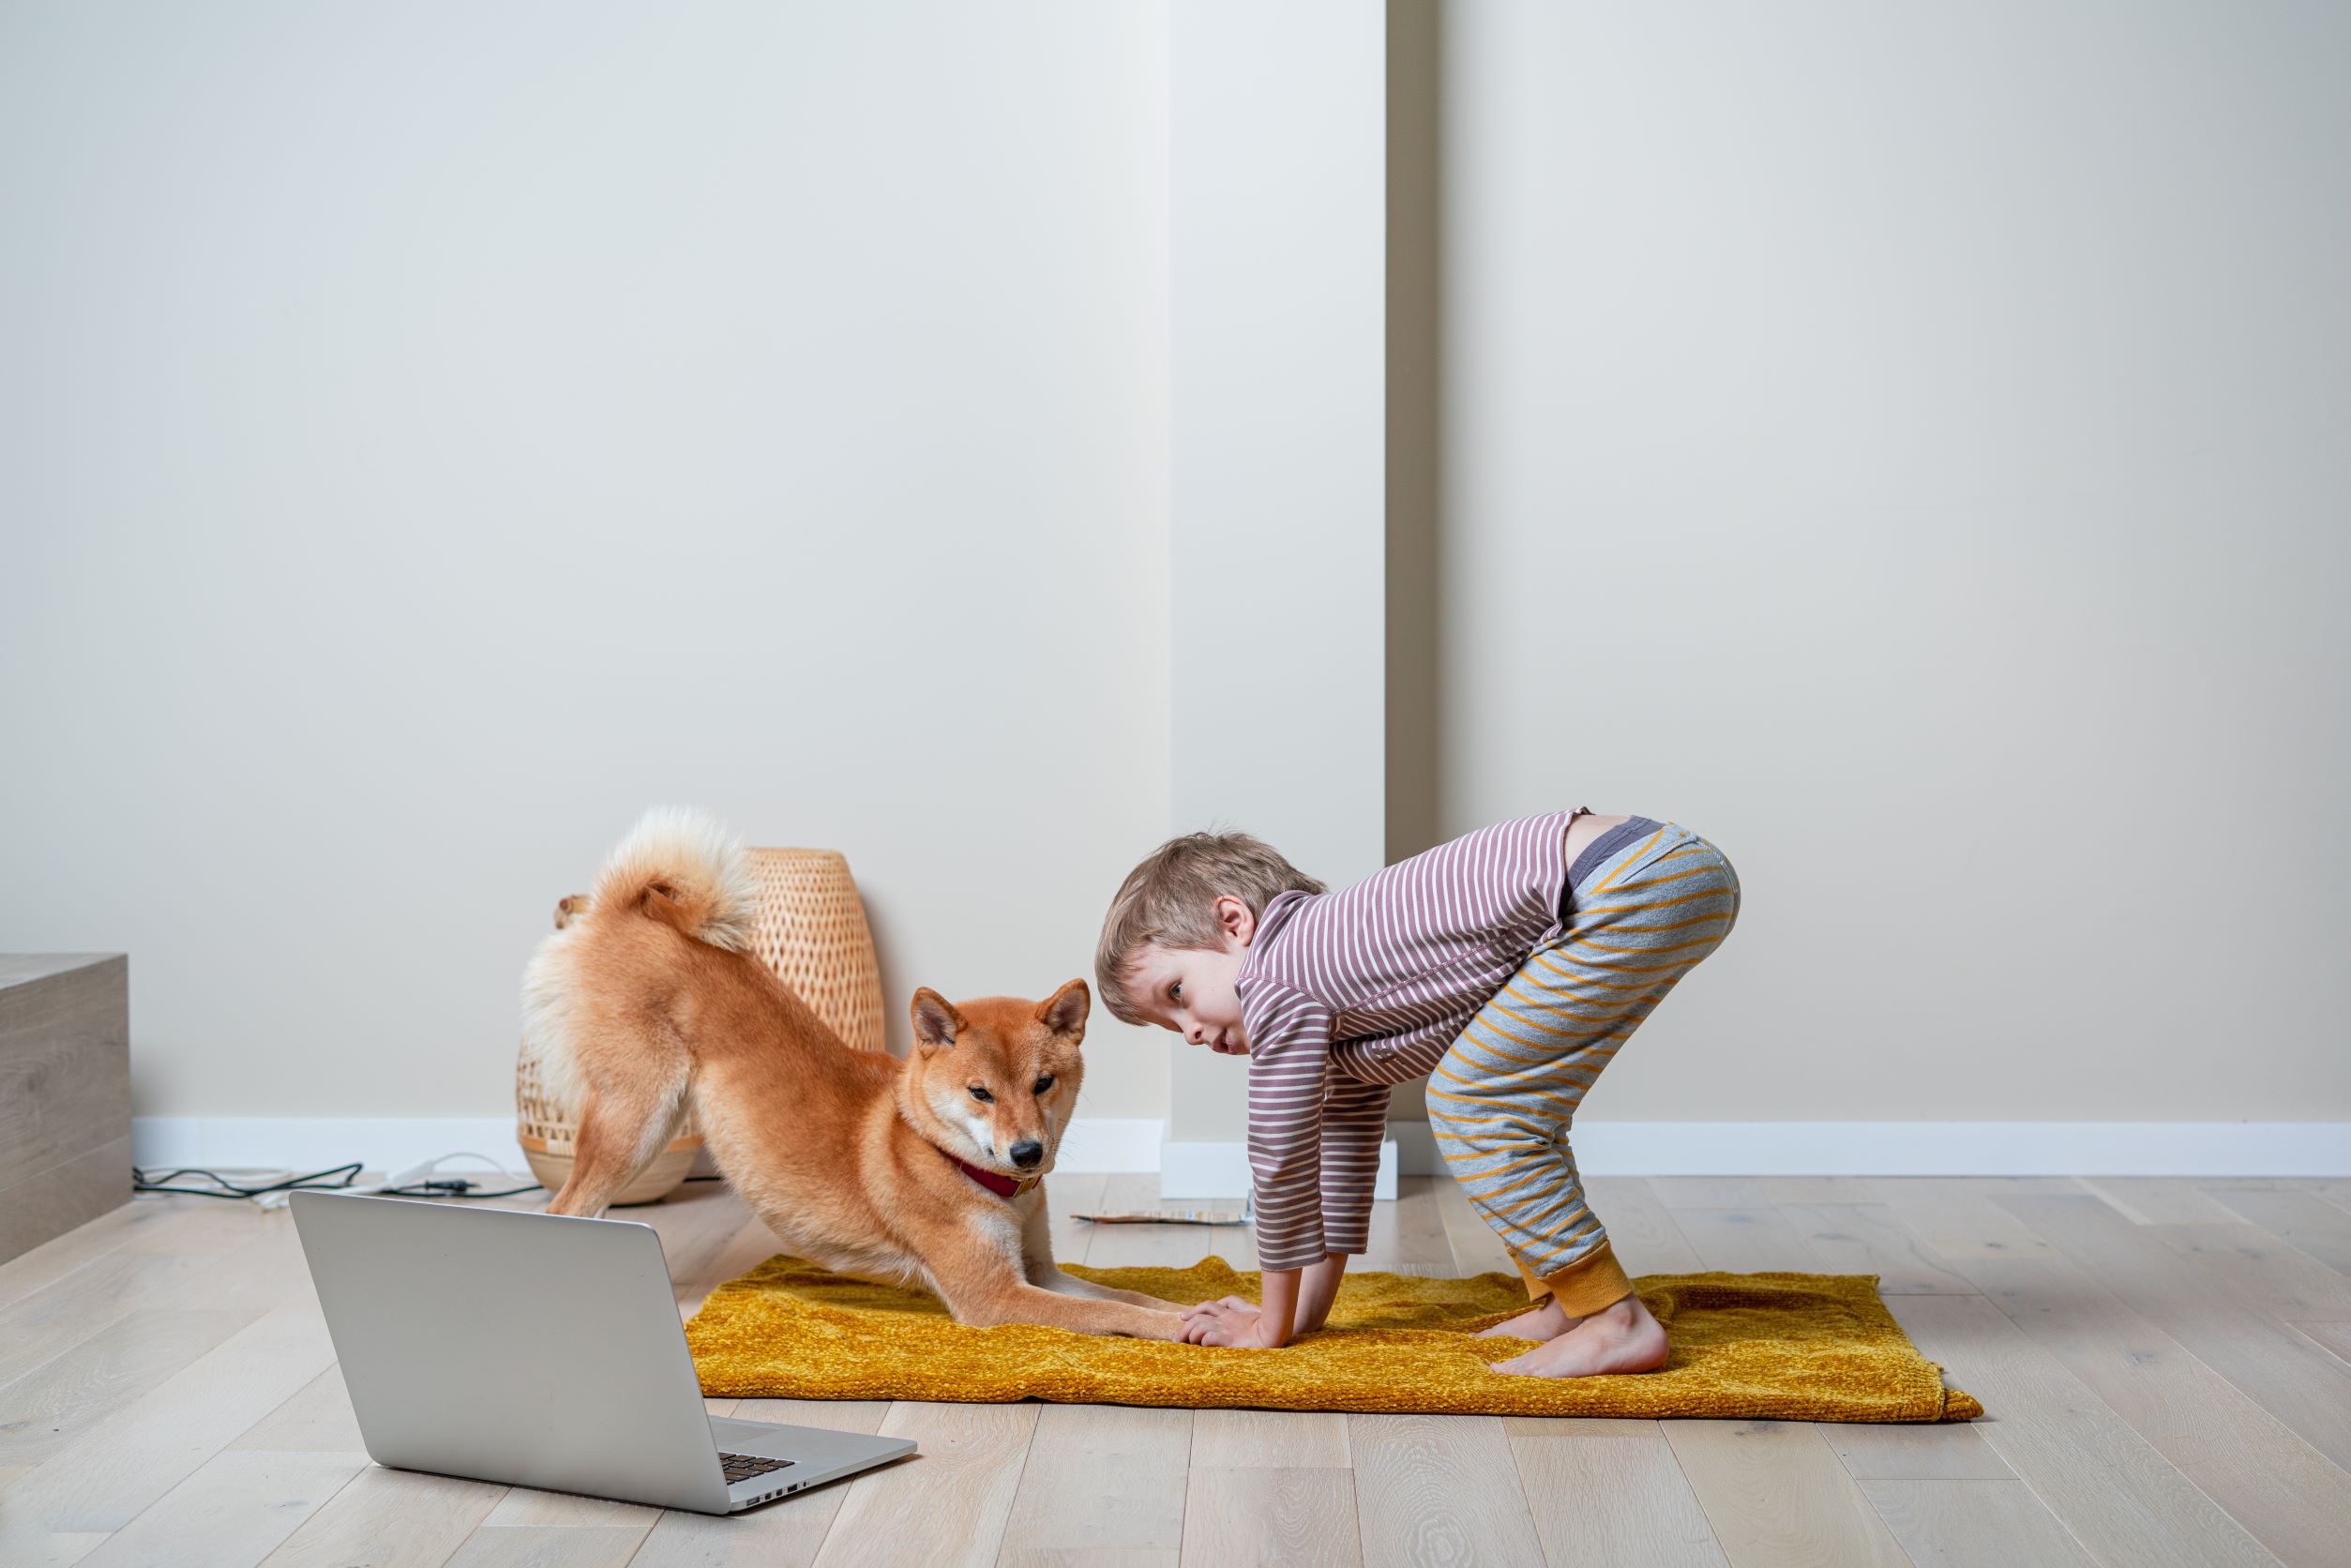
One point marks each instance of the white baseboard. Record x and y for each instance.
(1940, 1148)
(304, 1143)
(1220, 1169)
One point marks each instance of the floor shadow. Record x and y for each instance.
(1415, 454)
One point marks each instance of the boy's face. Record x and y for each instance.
(1192, 990)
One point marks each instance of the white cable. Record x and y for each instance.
(411, 1176)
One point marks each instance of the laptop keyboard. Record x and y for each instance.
(742, 1467)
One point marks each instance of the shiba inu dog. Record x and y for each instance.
(646, 1001)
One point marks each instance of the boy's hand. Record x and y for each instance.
(1204, 1309)
(1230, 1321)
(1234, 1321)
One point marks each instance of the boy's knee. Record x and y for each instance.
(1469, 1095)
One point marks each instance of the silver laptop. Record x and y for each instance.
(540, 1350)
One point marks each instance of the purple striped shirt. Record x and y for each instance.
(1344, 994)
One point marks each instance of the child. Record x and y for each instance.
(1509, 964)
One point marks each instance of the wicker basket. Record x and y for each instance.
(811, 930)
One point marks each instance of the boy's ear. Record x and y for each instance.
(1065, 1012)
(936, 1021)
(1236, 920)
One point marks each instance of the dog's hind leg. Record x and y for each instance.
(621, 1128)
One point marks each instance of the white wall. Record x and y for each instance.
(1907, 445)
(1903, 446)
(429, 436)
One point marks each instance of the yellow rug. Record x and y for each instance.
(1795, 1346)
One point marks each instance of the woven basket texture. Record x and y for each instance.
(812, 932)
(810, 929)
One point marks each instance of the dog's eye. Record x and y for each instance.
(1044, 1083)
(982, 1095)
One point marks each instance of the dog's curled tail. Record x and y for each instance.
(683, 868)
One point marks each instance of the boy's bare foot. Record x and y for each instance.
(1620, 1338)
(1544, 1322)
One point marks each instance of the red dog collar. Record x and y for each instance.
(1002, 1186)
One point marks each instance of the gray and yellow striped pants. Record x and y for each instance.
(1501, 1100)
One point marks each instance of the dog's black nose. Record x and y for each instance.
(1026, 1154)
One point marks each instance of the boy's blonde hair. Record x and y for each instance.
(1170, 901)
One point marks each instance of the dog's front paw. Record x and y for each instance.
(1152, 1304)
(1165, 1325)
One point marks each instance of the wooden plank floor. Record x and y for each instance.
(2164, 1361)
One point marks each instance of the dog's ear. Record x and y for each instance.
(936, 1021)
(1064, 1011)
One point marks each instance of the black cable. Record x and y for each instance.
(330, 1180)
(453, 1187)
(318, 1180)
